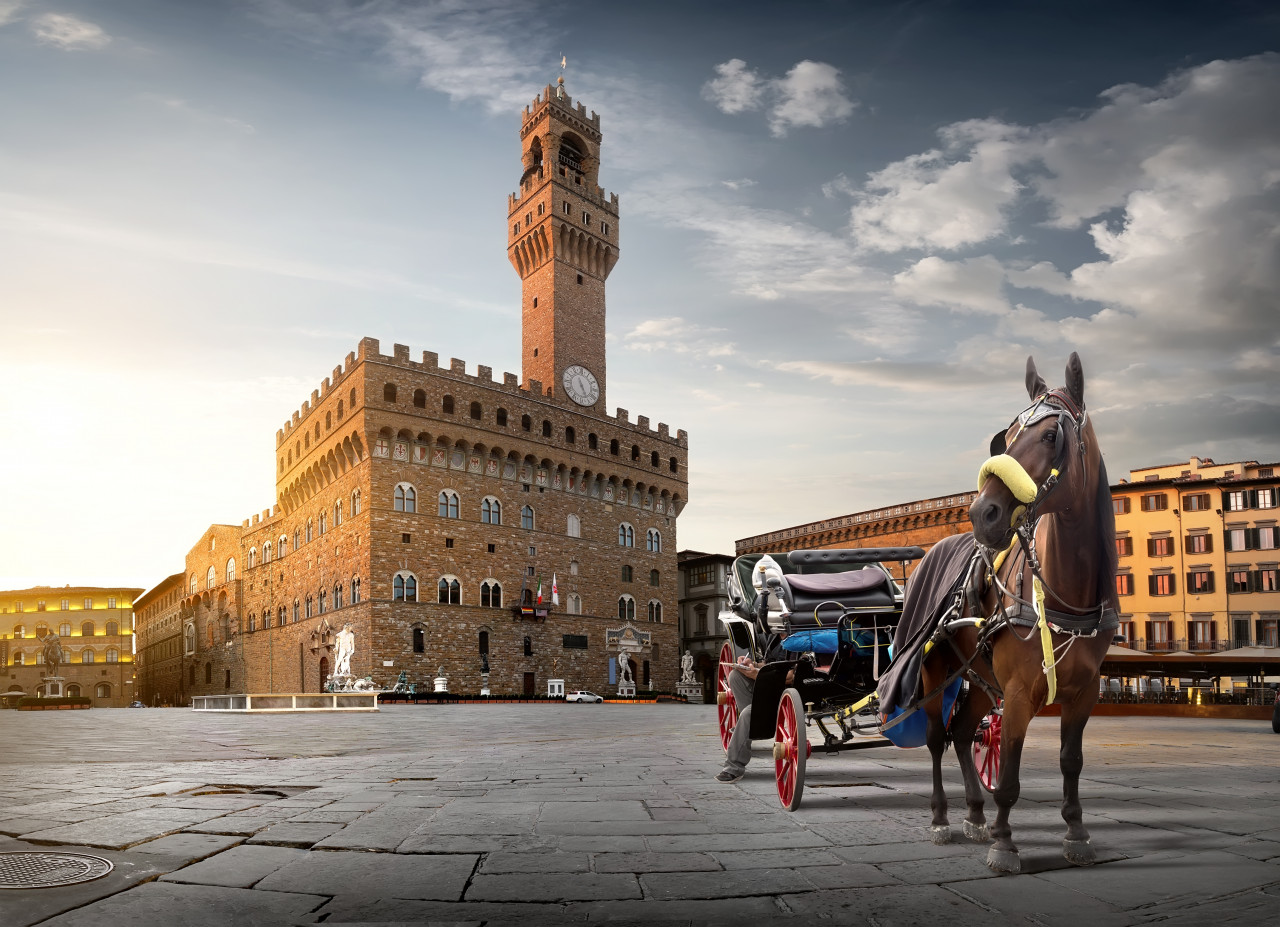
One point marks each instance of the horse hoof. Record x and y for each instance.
(1079, 852)
(940, 834)
(1004, 860)
(977, 832)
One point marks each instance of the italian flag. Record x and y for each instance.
(539, 590)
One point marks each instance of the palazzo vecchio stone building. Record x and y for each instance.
(423, 504)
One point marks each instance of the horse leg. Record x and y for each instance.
(963, 726)
(1075, 715)
(936, 738)
(1003, 855)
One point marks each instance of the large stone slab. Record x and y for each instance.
(238, 867)
(374, 875)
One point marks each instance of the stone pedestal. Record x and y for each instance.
(555, 688)
(53, 686)
(442, 684)
(484, 683)
(692, 692)
(626, 690)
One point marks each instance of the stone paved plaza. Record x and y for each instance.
(562, 814)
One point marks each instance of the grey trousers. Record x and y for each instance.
(739, 753)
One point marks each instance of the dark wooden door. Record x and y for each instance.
(529, 683)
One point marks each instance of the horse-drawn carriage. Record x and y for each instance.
(825, 620)
(994, 626)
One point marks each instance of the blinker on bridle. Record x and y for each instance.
(1056, 403)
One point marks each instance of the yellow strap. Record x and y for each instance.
(1046, 638)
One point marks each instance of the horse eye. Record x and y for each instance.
(1050, 437)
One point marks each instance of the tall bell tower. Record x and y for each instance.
(563, 242)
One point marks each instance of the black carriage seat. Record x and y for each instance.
(832, 593)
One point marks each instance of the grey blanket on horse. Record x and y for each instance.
(929, 592)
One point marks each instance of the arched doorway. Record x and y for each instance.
(324, 672)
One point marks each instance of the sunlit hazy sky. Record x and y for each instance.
(844, 226)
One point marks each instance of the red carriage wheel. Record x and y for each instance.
(790, 749)
(727, 708)
(986, 748)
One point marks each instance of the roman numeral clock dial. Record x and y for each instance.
(580, 383)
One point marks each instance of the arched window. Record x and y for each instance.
(528, 646)
(355, 589)
(266, 619)
(626, 573)
(193, 584)
(324, 523)
(297, 611)
(19, 658)
(337, 595)
(211, 578)
(337, 513)
(573, 567)
(310, 531)
(570, 436)
(546, 428)
(613, 447)
(103, 690)
(450, 591)
(573, 604)
(653, 540)
(655, 610)
(490, 511)
(419, 398)
(231, 570)
(87, 629)
(635, 452)
(281, 615)
(389, 393)
(654, 578)
(419, 641)
(575, 526)
(476, 411)
(189, 638)
(501, 418)
(404, 587)
(355, 502)
(297, 538)
(282, 546)
(64, 629)
(266, 551)
(253, 622)
(446, 406)
(324, 598)
(626, 535)
(526, 423)
(86, 655)
(310, 607)
(483, 639)
(405, 498)
(113, 630)
(593, 442)
(490, 594)
(673, 465)
(526, 517)
(653, 459)
(447, 504)
(253, 559)
(73, 690)
(626, 608)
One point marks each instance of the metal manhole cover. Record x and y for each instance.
(46, 870)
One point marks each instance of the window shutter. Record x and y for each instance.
(1208, 543)
(1151, 547)
(1151, 585)
(1209, 587)
(1150, 635)
(1191, 581)
(1251, 539)
(1213, 630)
(1226, 541)
(1226, 501)
(1252, 498)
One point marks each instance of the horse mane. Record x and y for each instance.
(1107, 557)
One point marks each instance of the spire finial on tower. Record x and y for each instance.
(564, 63)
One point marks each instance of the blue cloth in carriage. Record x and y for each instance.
(911, 731)
(827, 640)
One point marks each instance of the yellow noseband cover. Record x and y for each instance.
(1009, 472)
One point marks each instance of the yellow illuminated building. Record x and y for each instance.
(1198, 556)
(95, 627)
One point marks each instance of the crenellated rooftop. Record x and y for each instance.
(369, 350)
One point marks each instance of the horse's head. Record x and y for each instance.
(1039, 461)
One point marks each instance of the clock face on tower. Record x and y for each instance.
(580, 383)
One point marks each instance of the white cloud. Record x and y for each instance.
(810, 95)
(69, 32)
(676, 335)
(740, 184)
(734, 89)
(971, 285)
(9, 10)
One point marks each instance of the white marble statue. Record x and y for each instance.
(686, 670)
(346, 647)
(624, 670)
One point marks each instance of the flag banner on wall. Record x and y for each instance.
(539, 600)
(555, 591)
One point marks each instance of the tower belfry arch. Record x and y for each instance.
(563, 242)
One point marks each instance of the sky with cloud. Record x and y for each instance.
(844, 227)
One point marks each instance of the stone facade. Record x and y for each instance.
(704, 594)
(93, 623)
(159, 658)
(421, 503)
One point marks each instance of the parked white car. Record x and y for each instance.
(583, 696)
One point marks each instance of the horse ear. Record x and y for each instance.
(1075, 379)
(1036, 387)
(998, 445)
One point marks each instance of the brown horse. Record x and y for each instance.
(1045, 529)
